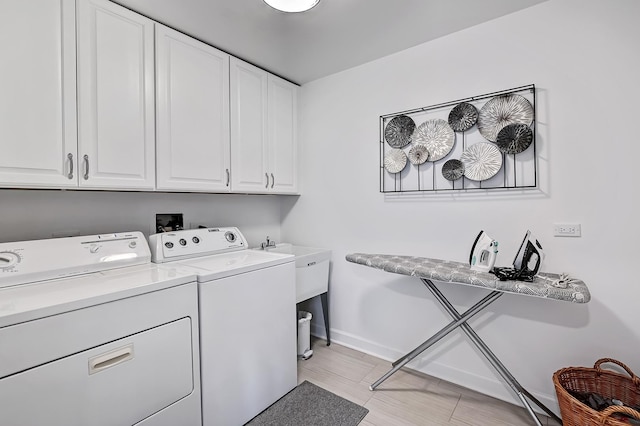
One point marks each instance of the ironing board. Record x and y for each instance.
(453, 272)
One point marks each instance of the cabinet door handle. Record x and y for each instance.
(70, 158)
(228, 177)
(273, 180)
(267, 176)
(86, 167)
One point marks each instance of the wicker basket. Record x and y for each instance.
(606, 383)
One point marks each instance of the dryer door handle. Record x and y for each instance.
(109, 359)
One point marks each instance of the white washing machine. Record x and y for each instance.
(93, 333)
(247, 320)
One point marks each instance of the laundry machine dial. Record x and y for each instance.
(8, 259)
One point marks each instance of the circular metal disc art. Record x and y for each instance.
(501, 111)
(399, 130)
(463, 116)
(481, 161)
(395, 161)
(418, 155)
(514, 138)
(437, 136)
(452, 169)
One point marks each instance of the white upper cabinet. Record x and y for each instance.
(248, 128)
(95, 96)
(192, 89)
(38, 94)
(263, 131)
(116, 129)
(283, 135)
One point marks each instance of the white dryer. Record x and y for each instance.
(247, 320)
(93, 333)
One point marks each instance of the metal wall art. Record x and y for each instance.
(395, 161)
(502, 111)
(435, 135)
(481, 161)
(399, 130)
(483, 142)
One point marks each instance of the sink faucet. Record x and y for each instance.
(266, 244)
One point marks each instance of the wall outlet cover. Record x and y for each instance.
(167, 222)
(567, 230)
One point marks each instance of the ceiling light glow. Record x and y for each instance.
(292, 5)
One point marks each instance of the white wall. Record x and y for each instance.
(34, 214)
(583, 57)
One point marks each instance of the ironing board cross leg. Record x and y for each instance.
(450, 327)
(397, 365)
(520, 391)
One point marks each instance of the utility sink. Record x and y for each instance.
(312, 269)
(312, 275)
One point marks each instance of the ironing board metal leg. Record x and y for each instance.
(439, 335)
(491, 357)
(451, 326)
(542, 406)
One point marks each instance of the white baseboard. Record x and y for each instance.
(485, 385)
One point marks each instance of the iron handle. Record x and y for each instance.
(86, 167)
(228, 177)
(273, 180)
(267, 176)
(70, 158)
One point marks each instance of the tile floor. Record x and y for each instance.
(407, 397)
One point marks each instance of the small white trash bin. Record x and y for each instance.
(304, 334)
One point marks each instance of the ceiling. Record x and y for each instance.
(333, 36)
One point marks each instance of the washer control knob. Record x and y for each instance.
(133, 244)
(230, 236)
(196, 240)
(8, 259)
(94, 248)
(168, 244)
(183, 242)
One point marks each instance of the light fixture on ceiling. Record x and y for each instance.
(292, 5)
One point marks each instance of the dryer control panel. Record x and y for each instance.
(190, 243)
(37, 260)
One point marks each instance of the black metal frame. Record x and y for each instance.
(462, 183)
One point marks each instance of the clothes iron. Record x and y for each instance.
(483, 253)
(529, 257)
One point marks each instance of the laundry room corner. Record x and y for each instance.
(567, 48)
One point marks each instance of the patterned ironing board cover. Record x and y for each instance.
(461, 273)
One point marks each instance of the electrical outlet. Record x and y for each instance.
(567, 230)
(167, 222)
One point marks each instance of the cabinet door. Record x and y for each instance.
(248, 128)
(38, 94)
(283, 145)
(192, 146)
(115, 97)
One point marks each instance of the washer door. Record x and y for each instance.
(119, 383)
